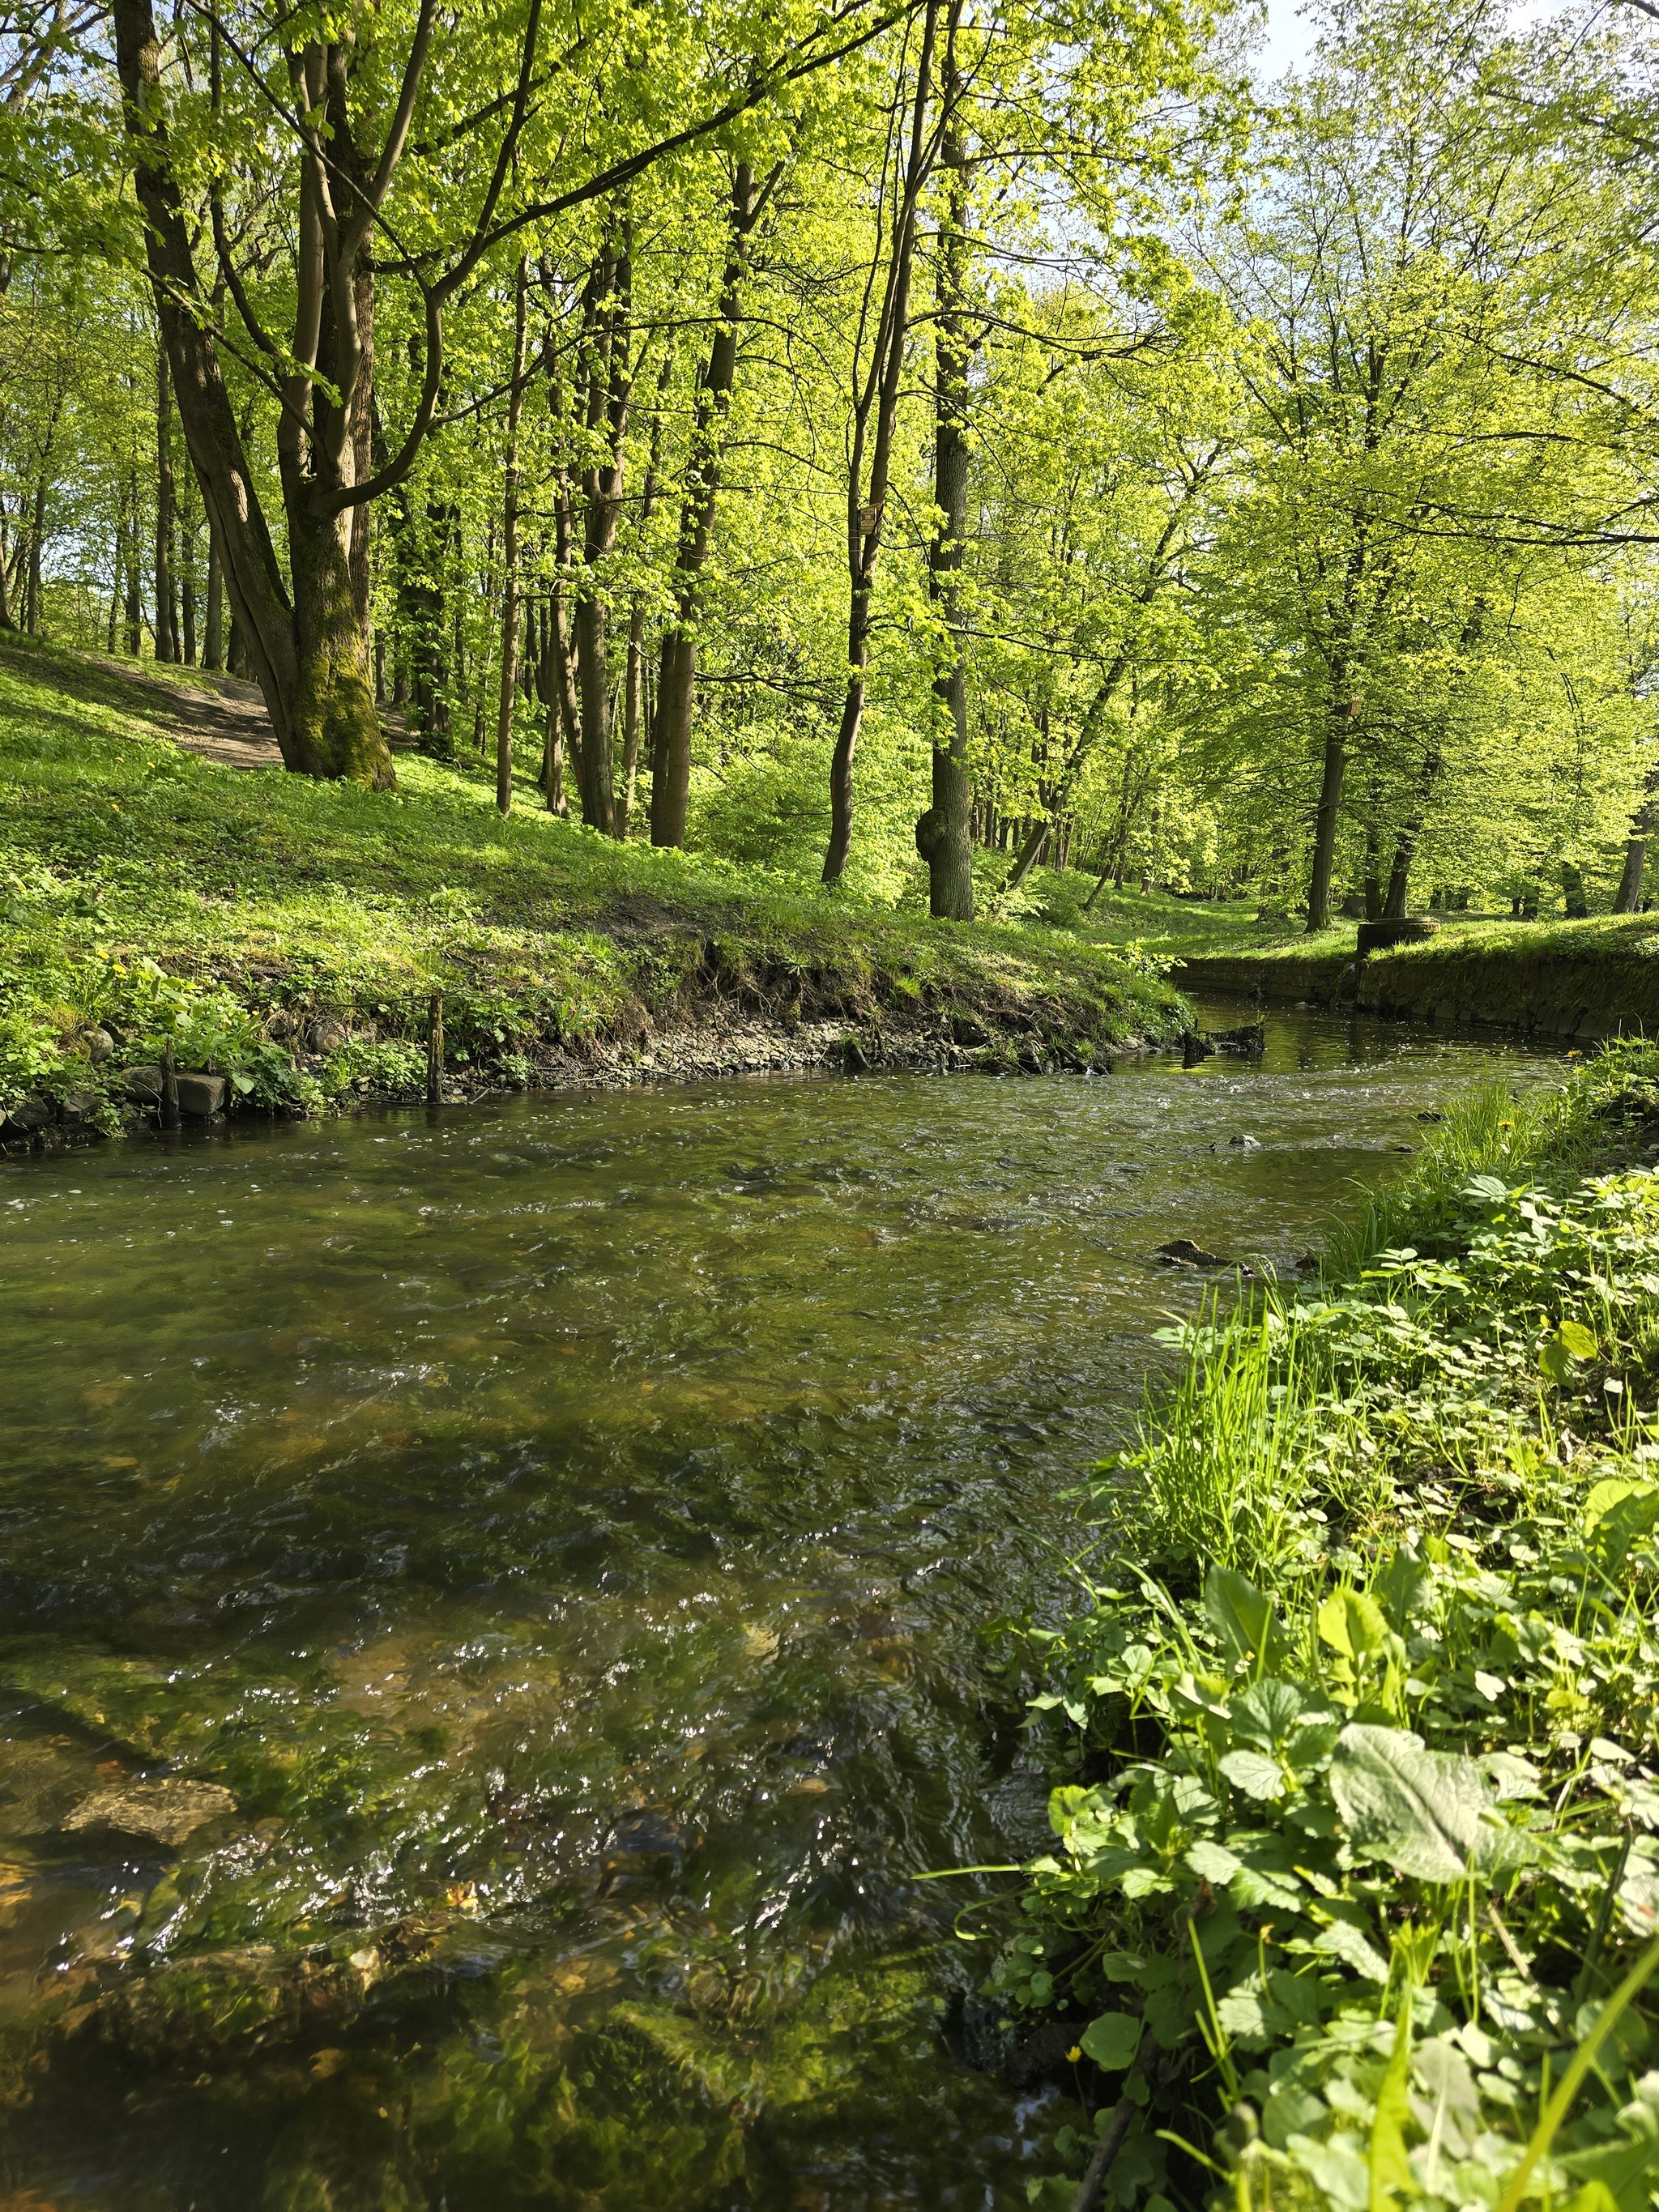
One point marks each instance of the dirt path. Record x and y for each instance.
(218, 717)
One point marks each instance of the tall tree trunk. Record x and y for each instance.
(213, 655)
(167, 629)
(549, 693)
(117, 571)
(633, 688)
(1628, 896)
(676, 681)
(562, 655)
(608, 380)
(1372, 884)
(36, 537)
(1339, 727)
(190, 532)
(134, 607)
(6, 619)
(944, 837)
(510, 559)
(878, 397)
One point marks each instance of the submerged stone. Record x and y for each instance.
(163, 1811)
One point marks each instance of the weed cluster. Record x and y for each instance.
(1357, 1843)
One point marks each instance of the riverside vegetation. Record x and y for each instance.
(1355, 1885)
(289, 933)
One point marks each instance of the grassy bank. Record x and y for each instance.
(1595, 978)
(1356, 1868)
(289, 934)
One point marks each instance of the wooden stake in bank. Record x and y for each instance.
(434, 1050)
(169, 1087)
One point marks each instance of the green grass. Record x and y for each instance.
(151, 891)
(1235, 928)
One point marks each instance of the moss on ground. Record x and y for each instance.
(152, 893)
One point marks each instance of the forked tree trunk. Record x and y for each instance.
(307, 648)
(1628, 896)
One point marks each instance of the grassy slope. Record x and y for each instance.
(299, 898)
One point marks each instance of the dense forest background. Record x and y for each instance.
(900, 444)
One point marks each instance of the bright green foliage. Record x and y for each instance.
(1307, 462)
(1371, 1703)
(163, 895)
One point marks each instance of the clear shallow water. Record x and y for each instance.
(566, 1527)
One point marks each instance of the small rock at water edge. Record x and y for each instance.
(100, 1045)
(1245, 1144)
(77, 1106)
(1182, 1252)
(201, 1096)
(165, 1812)
(326, 1034)
(29, 1114)
(144, 1084)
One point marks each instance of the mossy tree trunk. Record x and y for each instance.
(304, 638)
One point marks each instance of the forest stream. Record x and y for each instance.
(568, 1535)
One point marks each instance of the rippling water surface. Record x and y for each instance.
(566, 1526)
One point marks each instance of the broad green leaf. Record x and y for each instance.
(1241, 1617)
(1400, 1585)
(1112, 2040)
(1353, 1624)
(1255, 1774)
(1621, 1520)
(1213, 1863)
(1420, 1811)
(1342, 1941)
(1571, 1343)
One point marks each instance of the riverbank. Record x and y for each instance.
(1354, 1733)
(1578, 979)
(287, 937)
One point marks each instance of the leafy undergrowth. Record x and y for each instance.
(290, 934)
(1357, 1860)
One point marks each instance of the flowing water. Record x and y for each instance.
(568, 1529)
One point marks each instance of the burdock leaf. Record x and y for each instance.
(1420, 1811)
